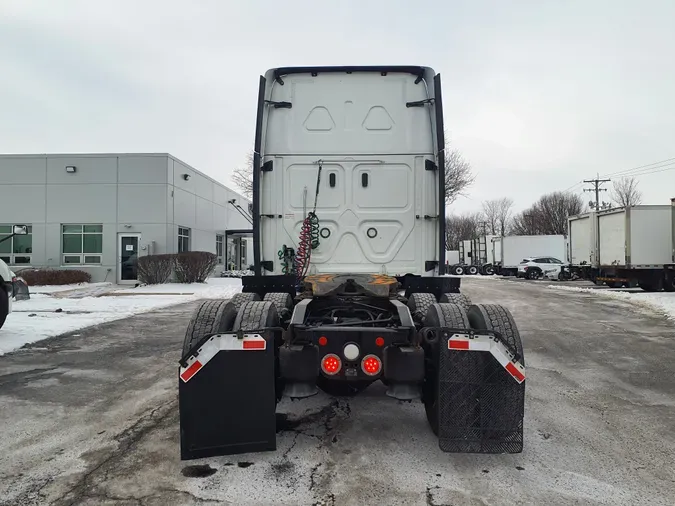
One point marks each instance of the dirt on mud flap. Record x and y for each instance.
(481, 392)
(216, 419)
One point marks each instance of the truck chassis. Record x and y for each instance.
(340, 333)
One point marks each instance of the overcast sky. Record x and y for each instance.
(538, 94)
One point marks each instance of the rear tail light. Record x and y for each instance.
(331, 364)
(371, 365)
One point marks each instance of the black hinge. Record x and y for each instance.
(430, 265)
(420, 103)
(268, 265)
(430, 165)
(271, 216)
(268, 166)
(279, 105)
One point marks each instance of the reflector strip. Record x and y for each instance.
(191, 371)
(489, 344)
(216, 344)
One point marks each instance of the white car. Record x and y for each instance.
(540, 267)
(6, 291)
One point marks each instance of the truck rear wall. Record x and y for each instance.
(639, 236)
(518, 247)
(582, 239)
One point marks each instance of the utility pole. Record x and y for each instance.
(596, 188)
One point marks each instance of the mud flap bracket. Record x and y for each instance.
(226, 393)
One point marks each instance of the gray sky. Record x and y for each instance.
(538, 94)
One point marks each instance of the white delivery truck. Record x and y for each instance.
(624, 247)
(349, 244)
(513, 250)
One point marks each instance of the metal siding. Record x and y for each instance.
(96, 169)
(141, 203)
(142, 170)
(23, 170)
(612, 237)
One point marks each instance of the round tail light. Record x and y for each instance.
(371, 365)
(331, 364)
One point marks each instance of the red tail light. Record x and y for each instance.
(331, 364)
(323, 340)
(371, 365)
(379, 341)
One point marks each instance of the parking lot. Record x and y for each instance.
(92, 418)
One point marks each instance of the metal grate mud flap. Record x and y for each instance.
(226, 395)
(481, 394)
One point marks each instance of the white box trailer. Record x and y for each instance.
(452, 257)
(583, 239)
(496, 251)
(465, 252)
(514, 249)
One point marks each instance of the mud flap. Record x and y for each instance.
(481, 389)
(226, 396)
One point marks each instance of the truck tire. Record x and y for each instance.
(419, 304)
(499, 319)
(651, 286)
(256, 315)
(211, 317)
(460, 299)
(668, 282)
(458, 270)
(472, 270)
(487, 270)
(439, 315)
(241, 298)
(4, 305)
(282, 301)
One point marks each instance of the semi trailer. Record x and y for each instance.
(510, 251)
(349, 248)
(627, 246)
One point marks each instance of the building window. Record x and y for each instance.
(183, 239)
(82, 244)
(18, 249)
(219, 248)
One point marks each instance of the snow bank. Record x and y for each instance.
(661, 302)
(36, 319)
(65, 288)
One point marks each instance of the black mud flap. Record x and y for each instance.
(481, 389)
(226, 396)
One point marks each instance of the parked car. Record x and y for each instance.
(540, 267)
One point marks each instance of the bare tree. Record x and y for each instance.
(458, 176)
(625, 192)
(504, 215)
(243, 177)
(548, 215)
(490, 213)
(461, 227)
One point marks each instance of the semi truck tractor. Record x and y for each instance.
(349, 251)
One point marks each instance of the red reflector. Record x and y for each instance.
(323, 340)
(379, 341)
(191, 371)
(255, 345)
(371, 365)
(513, 370)
(458, 345)
(331, 364)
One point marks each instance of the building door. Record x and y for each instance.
(128, 246)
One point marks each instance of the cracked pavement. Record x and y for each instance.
(92, 419)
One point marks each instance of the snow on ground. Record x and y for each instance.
(661, 302)
(36, 319)
(64, 288)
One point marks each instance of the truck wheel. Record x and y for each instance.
(651, 286)
(419, 304)
(472, 270)
(488, 270)
(499, 319)
(256, 315)
(241, 298)
(458, 270)
(439, 315)
(338, 388)
(282, 301)
(4, 306)
(460, 299)
(211, 317)
(668, 282)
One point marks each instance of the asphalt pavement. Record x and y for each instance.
(92, 418)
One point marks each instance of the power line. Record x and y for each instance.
(649, 165)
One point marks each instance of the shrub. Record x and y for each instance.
(155, 269)
(35, 277)
(194, 266)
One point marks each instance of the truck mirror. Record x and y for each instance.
(20, 230)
